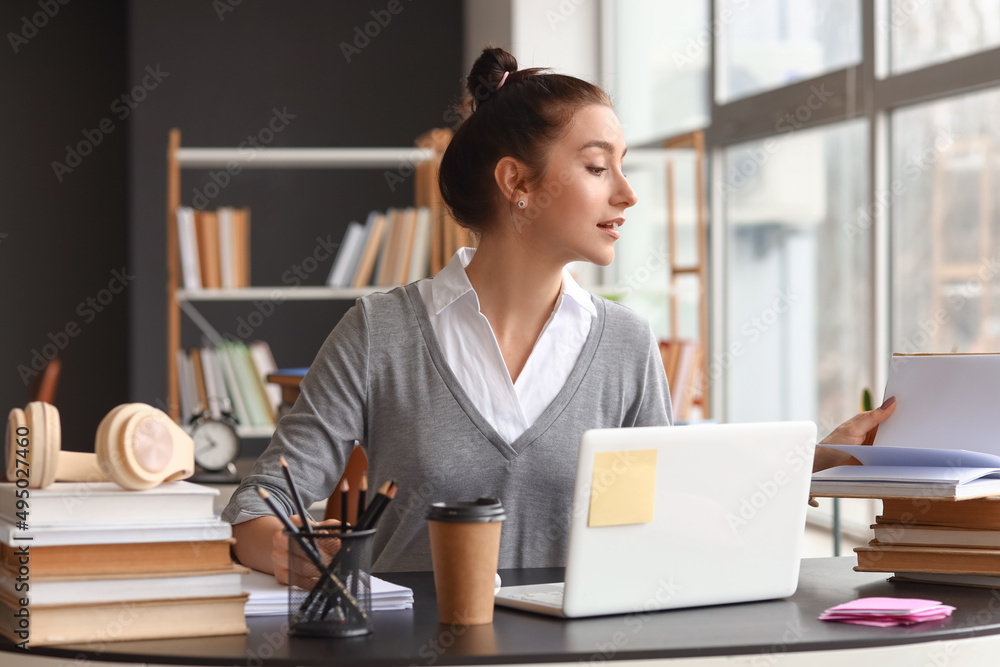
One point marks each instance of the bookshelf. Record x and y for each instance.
(425, 157)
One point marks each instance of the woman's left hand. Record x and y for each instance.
(858, 430)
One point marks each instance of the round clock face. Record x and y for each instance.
(215, 445)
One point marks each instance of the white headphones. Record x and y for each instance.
(137, 446)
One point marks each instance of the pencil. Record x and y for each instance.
(325, 572)
(365, 517)
(362, 492)
(299, 507)
(378, 505)
(344, 500)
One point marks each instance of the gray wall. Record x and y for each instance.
(62, 236)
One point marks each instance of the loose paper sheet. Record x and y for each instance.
(623, 488)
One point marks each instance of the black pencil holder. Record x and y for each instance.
(329, 591)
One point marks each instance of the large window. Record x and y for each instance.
(662, 53)
(799, 283)
(766, 44)
(924, 32)
(946, 225)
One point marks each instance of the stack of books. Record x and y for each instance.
(936, 541)
(90, 562)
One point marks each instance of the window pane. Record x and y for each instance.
(766, 44)
(945, 225)
(660, 78)
(922, 33)
(798, 332)
(638, 276)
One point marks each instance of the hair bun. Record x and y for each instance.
(487, 73)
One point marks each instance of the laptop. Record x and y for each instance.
(714, 514)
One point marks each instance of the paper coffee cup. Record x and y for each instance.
(465, 549)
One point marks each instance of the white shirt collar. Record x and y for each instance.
(451, 283)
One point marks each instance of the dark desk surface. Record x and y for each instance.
(415, 637)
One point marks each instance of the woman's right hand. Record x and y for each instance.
(279, 551)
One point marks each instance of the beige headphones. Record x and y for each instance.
(137, 447)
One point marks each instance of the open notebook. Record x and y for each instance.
(268, 597)
(941, 441)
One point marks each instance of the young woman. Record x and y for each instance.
(481, 380)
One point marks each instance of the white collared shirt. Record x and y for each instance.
(473, 354)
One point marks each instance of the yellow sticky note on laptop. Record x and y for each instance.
(623, 488)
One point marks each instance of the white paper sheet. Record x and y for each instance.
(944, 402)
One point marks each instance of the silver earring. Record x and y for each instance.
(520, 203)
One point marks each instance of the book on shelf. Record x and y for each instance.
(941, 399)
(375, 230)
(348, 254)
(214, 247)
(404, 253)
(187, 242)
(387, 250)
(206, 225)
(420, 257)
(106, 503)
(139, 619)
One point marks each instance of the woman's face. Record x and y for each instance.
(583, 194)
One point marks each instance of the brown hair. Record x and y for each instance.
(521, 119)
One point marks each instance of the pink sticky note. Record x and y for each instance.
(887, 612)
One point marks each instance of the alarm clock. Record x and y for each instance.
(216, 443)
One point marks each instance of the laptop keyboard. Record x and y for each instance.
(552, 596)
